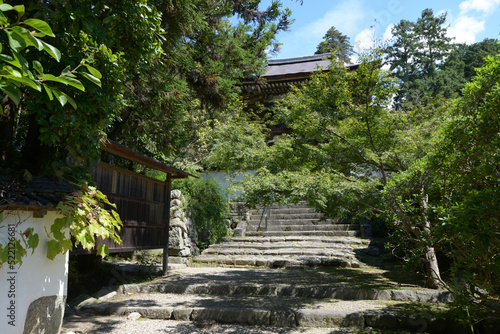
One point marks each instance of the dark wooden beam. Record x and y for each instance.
(129, 154)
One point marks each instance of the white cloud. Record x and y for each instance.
(465, 29)
(471, 19)
(485, 6)
(387, 35)
(346, 17)
(365, 40)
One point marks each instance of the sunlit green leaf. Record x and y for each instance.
(38, 67)
(28, 37)
(92, 78)
(33, 84)
(11, 60)
(16, 42)
(94, 71)
(51, 50)
(48, 90)
(40, 25)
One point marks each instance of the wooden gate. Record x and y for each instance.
(142, 202)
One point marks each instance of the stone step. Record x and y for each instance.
(291, 260)
(269, 311)
(285, 244)
(290, 251)
(322, 227)
(280, 298)
(273, 221)
(293, 221)
(306, 233)
(274, 215)
(284, 210)
(268, 284)
(305, 238)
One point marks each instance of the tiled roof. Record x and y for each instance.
(39, 193)
(287, 66)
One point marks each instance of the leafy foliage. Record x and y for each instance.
(208, 207)
(20, 70)
(461, 179)
(193, 89)
(336, 42)
(416, 56)
(86, 218)
(346, 144)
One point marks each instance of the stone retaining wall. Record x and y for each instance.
(182, 235)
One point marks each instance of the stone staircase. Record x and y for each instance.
(290, 236)
(246, 280)
(310, 299)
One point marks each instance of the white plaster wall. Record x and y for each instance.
(227, 179)
(36, 277)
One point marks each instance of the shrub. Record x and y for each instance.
(208, 207)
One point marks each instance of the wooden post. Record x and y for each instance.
(166, 219)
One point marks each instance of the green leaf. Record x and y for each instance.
(9, 70)
(6, 7)
(40, 25)
(33, 84)
(94, 71)
(12, 91)
(48, 90)
(57, 227)
(16, 42)
(53, 248)
(66, 70)
(38, 67)
(68, 81)
(10, 60)
(51, 50)
(24, 63)
(72, 82)
(71, 101)
(63, 98)
(28, 37)
(102, 250)
(33, 241)
(92, 78)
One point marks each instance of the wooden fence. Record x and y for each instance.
(140, 202)
(143, 203)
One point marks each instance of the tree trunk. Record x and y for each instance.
(431, 265)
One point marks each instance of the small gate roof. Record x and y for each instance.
(129, 154)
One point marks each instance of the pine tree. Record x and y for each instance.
(336, 42)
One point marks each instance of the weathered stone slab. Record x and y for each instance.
(253, 317)
(327, 318)
(283, 318)
(182, 313)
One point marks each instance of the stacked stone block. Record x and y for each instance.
(182, 235)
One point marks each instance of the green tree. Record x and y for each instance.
(21, 76)
(461, 181)
(193, 89)
(460, 66)
(344, 144)
(416, 56)
(336, 42)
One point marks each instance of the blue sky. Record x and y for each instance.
(363, 21)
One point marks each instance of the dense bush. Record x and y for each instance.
(208, 207)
